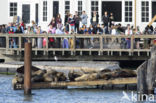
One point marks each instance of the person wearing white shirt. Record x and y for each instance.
(113, 31)
(127, 33)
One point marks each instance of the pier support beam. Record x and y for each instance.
(146, 77)
(27, 68)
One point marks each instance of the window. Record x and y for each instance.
(13, 9)
(44, 10)
(94, 6)
(145, 11)
(128, 11)
(114, 7)
(79, 7)
(67, 6)
(153, 9)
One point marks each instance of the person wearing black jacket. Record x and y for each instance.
(95, 19)
(105, 20)
(77, 21)
(99, 29)
(66, 21)
(111, 19)
(18, 31)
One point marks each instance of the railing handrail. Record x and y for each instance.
(79, 35)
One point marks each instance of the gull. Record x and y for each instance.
(55, 58)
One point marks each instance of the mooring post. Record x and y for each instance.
(27, 68)
(147, 78)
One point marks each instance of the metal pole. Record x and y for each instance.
(27, 69)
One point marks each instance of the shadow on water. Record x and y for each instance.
(28, 98)
(130, 64)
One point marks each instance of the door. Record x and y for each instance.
(55, 8)
(114, 7)
(36, 14)
(153, 9)
(26, 13)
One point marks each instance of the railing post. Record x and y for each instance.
(74, 44)
(132, 44)
(7, 42)
(101, 45)
(47, 46)
(20, 43)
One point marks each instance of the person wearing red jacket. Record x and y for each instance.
(12, 41)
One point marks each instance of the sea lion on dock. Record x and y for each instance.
(54, 76)
(21, 69)
(74, 74)
(38, 76)
(124, 73)
(104, 75)
(87, 77)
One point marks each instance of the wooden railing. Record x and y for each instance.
(99, 43)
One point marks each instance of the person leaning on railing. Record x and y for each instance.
(51, 30)
(128, 32)
(12, 40)
(39, 39)
(136, 31)
(29, 31)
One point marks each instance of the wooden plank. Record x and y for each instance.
(153, 19)
(118, 81)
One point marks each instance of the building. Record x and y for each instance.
(134, 12)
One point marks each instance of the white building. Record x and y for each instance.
(134, 12)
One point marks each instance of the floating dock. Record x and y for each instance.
(63, 85)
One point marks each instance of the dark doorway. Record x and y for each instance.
(113, 7)
(36, 14)
(26, 13)
(153, 9)
(55, 8)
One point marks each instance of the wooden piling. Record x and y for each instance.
(146, 77)
(27, 69)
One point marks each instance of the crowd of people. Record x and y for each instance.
(73, 24)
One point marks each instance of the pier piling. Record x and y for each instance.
(146, 77)
(27, 69)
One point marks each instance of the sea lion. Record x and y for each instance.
(73, 74)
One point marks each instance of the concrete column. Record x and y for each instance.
(40, 12)
(73, 6)
(32, 11)
(50, 10)
(100, 11)
(123, 12)
(62, 9)
(88, 11)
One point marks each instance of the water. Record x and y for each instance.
(8, 95)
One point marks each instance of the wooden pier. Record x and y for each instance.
(106, 47)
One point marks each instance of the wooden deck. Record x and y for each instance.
(118, 81)
(105, 45)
